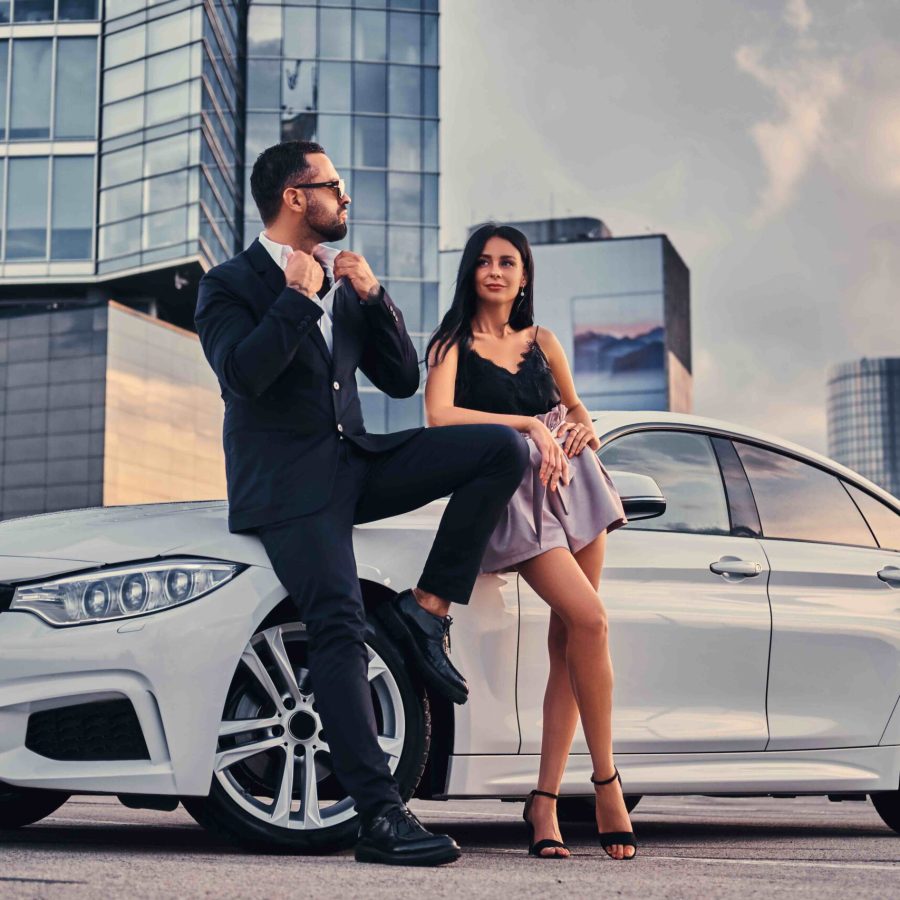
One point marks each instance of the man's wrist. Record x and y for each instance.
(372, 294)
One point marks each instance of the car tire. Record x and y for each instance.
(581, 809)
(887, 804)
(25, 806)
(233, 809)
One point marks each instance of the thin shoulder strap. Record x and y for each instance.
(534, 340)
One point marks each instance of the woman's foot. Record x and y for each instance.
(612, 815)
(542, 817)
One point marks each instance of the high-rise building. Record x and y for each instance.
(864, 419)
(619, 306)
(128, 130)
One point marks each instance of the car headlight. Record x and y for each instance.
(122, 592)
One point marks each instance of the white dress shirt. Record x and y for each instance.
(325, 256)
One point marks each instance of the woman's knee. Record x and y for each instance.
(591, 620)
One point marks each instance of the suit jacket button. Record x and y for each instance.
(341, 428)
(336, 385)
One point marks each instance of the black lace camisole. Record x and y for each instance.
(485, 386)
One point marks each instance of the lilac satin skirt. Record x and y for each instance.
(536, 519)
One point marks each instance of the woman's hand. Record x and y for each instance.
(577, 437)
(554, 465)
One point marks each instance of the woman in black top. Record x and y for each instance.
(489, 363)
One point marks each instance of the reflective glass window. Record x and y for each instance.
(166, 191)
(430, 146)
(405, 4)
(883, 520)
(26, 215)
(125, 46)
(300, 32)
(165, 155)
(405, 40)
(405, 413)
(430, 258)
(371, 35)
(169, 68)
(430, 92)
(334, 33)
(368, 240)
(2, 189)
(333, 133)
(124, 81)
(76, 10)
(5, 10)
(122, 117)
(33, 10)
(120, 202)
(168, 104)
(404, 251)
(334, 87)
(369, 141)
(405, 191)
(685, 468)
(263, 83)
(120, 239)
(76, 88)
(369, 196)
(405, 91)
(263, 130)
(264, 30)
(430, 40)
(297, 86)
(430, 199)
(30, 102)
(405, 144)
(4, 66)
(370, 84)
(72, 213)
(115, 8)
(298, 127)
(172, 31)
(165, 228)
(123, 165)
(799, 502)
(429, 306)
(408, 296)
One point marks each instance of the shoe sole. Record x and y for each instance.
(435, 858)
(398, 629)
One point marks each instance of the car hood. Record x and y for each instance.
(117, 534)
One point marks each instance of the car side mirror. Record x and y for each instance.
(640, 495)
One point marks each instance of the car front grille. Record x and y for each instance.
(102, 730)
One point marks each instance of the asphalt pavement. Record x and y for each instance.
(690, 847)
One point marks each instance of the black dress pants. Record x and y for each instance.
(312, 555)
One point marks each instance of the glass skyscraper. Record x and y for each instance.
(128, 130)
(864, 419)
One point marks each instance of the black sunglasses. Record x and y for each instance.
(339, 186)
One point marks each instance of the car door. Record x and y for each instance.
(835, 664)
(689, 645)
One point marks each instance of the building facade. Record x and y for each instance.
(864, 419)
(128, 130)
(619, 306)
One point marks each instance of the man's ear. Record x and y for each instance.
(294, 199)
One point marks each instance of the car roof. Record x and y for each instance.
(609, 423)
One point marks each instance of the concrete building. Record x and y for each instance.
(864, 419)
(128, 130)
(619, 306)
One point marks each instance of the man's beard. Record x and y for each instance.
(333, 230)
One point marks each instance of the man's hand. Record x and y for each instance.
(355, 268)
(303, 273)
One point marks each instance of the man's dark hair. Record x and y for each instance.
(276, 168)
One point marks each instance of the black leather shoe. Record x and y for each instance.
(397, 838)
(427, 637)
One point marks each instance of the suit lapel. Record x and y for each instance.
(273, 278)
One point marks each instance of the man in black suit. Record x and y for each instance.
(285, 325)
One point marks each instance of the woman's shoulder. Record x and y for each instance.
(545, 338)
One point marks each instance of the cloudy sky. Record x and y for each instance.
(763, 138)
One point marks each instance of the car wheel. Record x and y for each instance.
(273, 785)
(24, 806)
(581, 809)
(887, 805)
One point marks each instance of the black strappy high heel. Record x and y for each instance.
(534, 849)
(611, 838)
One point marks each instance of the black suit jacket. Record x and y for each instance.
(288, 401)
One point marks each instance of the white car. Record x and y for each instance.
(145, 652)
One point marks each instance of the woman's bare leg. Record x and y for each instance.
(569, 586)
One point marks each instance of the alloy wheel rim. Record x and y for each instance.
(273, 755)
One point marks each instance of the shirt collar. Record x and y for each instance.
(280, 252)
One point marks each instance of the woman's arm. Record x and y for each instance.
(578, 427)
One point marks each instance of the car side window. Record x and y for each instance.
(799, 502)
(884, 521)
(684, 466)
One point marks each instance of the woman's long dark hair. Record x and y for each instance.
(456, 326)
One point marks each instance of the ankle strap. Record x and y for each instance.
(612, 777)
(545, 794)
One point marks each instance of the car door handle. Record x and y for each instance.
(890, 574)
(731, 565)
